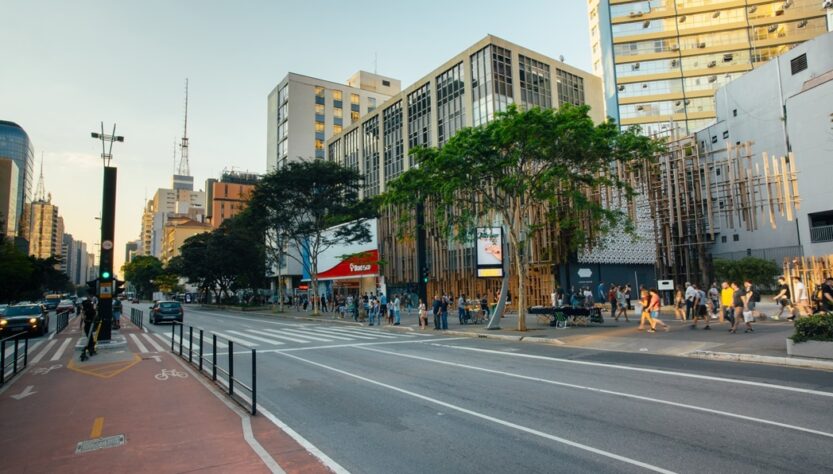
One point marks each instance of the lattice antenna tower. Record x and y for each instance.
(40, 191)
(184, 166)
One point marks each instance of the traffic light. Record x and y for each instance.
(425, 274)
(106, 276)
(119, 289)
(92, 287)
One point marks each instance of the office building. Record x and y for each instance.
(131, 249)
(46, 230)
(9, 175)
(167, 203)
(466, 91)
(303, 112)
(229, 196)
(16, 146)
(662, 60)
(176, 231)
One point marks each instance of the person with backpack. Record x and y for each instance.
(89, 311)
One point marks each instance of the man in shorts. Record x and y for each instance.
(699, 308)
(783, 300)
(727, 310)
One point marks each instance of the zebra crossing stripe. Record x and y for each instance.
(280, 335)
(42, 353)
(306, 335)
(340, 332)
(139, 344)
(267, 340)
(369, 332)
(153, 343)
(327, 334)
(61, 350)
(237, 339)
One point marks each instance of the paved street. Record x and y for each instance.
(377, 400)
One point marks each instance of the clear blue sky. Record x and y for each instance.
(68, 65)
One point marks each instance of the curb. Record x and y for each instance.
(771, 360)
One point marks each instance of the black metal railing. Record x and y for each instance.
(63, 321)
(136, 317)
(208, 364)
(17, 353)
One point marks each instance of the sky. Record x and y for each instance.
(66, 67)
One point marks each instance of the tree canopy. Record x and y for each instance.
(23, 277)
(523, 164)
(759, 271)
(142, 272)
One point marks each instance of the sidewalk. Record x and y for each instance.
(766, 345)
(125, 412)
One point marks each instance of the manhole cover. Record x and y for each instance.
(99, 443)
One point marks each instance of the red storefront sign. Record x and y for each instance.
(359, 265)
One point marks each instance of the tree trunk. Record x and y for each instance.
(316, 302)
(521, 269)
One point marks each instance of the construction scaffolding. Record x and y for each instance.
(695, 194)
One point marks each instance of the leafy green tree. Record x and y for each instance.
(757, 270)
(540, 161)
(303, 202)
(141, 273)
(15, 272)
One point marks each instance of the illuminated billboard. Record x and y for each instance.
(489, 252)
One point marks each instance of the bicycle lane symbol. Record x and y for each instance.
(44, 370)
(169, 373)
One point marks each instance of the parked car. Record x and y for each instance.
(166, 311)
(24, 318)
(65, 305)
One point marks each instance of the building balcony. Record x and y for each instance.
(821, 234)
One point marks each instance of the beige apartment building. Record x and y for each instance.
(662, 60)
(45, 230)
(177, 230)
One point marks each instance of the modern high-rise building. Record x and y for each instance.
(46, 230)
(229, 196)
(303, 112)
(165, 204)
(16, 146)
(8, 197)
(662, 60)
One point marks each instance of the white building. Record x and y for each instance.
(182, 200)
(785, 105)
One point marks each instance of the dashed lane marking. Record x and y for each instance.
(60, 352)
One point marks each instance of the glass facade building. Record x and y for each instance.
(662, 60)
(16, 146)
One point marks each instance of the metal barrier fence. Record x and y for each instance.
(63, 321)
(136, 317)
(16, 355)
(209, 367)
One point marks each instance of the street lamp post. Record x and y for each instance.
(108, 223)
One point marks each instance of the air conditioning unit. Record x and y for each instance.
(712, 78)
(646, 24)
(635, 67)
(682, 19)
(701, 44)
(716, 14)
(640, 108)
(728, 57)
(678, 103)
(674, 63)
(802, 24)
(787, 4)
(635, 14)
(676, 47)
(753, 9)
(712, 64)
(772, 28)
(621, 87)
(644, 85)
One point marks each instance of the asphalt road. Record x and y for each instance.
(380, 401)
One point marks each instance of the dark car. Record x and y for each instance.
(166, 311)
(24, 318)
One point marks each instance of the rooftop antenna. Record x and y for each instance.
(40, 191)
(184, 166)
(175, 166)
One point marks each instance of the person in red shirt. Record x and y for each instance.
(653, 309)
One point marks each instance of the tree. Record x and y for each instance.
(541, 161)
(15, 272)
(757, 270)
(141, 273)
(308, 207)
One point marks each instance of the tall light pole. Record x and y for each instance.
(108, 223)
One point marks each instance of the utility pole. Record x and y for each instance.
(105, 277)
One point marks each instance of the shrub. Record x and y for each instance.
(818, 327)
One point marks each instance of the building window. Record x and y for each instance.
(338, 113)
(336, 129)
(354, 99)
(351, 149)
(370, 157)
(450, 110)
(723, 239)
(371, 104)
(393, 150)
(736, 237)
(319, 91)
(798, 64)
(734, 112)
(319, 109)
(419, 118)
(536, 90)
(491, 82)
(336, 95)
(385, 83)
(570, 88)
(726, 134)
(354, 116)
(319, 127)
(821, 226)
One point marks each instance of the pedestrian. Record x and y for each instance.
(622, 304)
(738, 305)
(89, 311)
(827, 295)
(396, 310)
(383, 310)
(611, 298)
(802, 298)
(679, 305)
(727, 297)
(117, 310)
(461, 309)
(435, 309)
(690, 295)
(484, 307)
(644, 302)
(423, 318)
(602, 292)
(783, 300)
(752, 297)
(714, 298)
(373, 313)
(699, 308)
(653, 310)
(628, 294)
(444, 313)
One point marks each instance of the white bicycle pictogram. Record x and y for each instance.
(168, 373)
(44, 370)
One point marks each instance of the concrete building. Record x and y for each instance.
(303, 112)
(177, 230)
(16, 146)
(467, 90)
(785, 105)
(9, 177)
(179, 200)
(46, 230)
(131, 249)
(229, 196)
(662, 60)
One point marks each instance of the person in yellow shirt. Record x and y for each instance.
(726, 296)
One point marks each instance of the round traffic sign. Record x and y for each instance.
(107, 244)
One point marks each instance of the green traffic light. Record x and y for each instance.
(105, 274)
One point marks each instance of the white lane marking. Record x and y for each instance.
(61, 349)
(333, 335)
(280, 335)
(369, 332)
(482, 416)
(305, 335)
(42, 353)
(258, 338)
(345, 333)
(341, 346)
(139, 344)
(237, 340)
(206, 341)
(649, 371)
(603, 391)
(153, 343)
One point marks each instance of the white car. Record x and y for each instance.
(65, 305)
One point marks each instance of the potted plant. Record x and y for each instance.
(813, 337)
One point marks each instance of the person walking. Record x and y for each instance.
(727, 309)
(700, 310)
(827, 295)
(645, 316)
(611, 299)
(653, 310)
(89, 311)
(396, 310)
(461, 309)
(622, 304)
(690, 295)
(423, 318)
(782, 299)
(751, 298)
(383, 310)
(602, 292)
(802, 298)
(714, 299)
(444, 313)
(373, 313)
(738, 305)
(435, 309)
(628, 294)
(679, 305)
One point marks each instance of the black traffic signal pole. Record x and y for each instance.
(105, 272)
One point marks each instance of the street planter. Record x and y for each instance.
(813, 337)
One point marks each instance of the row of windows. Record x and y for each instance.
(491, 83)
(705, 61)
(681, 23)
(672, 86)
(669, 107)
(419, 118)
(570, 88)
(338, 97)
(535, 82)
(370, 131)
(450, 110)
(393, 146)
